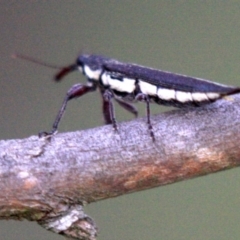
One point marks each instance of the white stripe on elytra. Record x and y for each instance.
(183, 96)
(180, 96)
(147, 88)
(213, 95)
(123, 85)
(166, 94)
(199, 97)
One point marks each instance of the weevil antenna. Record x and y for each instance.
(63, 70)
(34, 60)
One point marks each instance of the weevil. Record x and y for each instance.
(128, 82)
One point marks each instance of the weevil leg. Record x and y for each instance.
(145, 98)
(109, 114)
(105, 108)
(75, 91)
(127, 106)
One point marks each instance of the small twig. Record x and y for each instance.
(49, 180)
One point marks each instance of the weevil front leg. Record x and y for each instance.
(75, 91)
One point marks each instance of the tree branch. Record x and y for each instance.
(49, 180)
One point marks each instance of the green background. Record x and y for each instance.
(198, 38)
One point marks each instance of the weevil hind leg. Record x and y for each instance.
(75, 91)
(145, 98)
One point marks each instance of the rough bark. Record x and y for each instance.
(49, 180)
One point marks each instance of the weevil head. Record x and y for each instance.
(91, 65)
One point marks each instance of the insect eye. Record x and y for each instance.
(79, 62)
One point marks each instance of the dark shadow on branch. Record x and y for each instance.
(49, 181)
